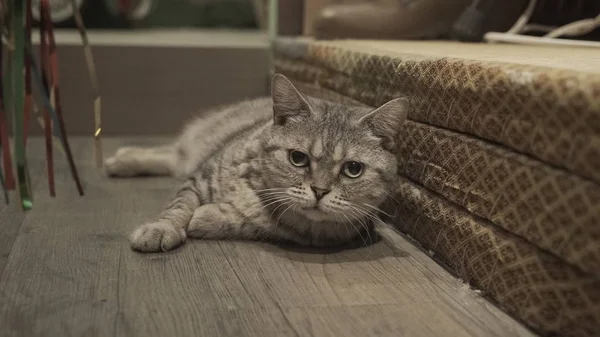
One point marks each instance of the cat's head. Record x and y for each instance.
(329, 161)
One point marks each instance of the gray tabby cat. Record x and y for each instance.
(289, 168)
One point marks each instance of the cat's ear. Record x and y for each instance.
(288, 102)
(386, 121)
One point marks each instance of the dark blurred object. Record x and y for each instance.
(487, 15)
(61, 11)
(562, 12)
(203, 13)
(290, 14)
(465, 20)
(96, 13)
(556, 13)
(261, 12)
(156, 13)
(546, 15)
(389, 19)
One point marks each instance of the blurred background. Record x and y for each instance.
(161, 61)
(157, 13)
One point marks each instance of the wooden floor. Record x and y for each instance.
(66, 270)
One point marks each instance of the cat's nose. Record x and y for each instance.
(319, 192)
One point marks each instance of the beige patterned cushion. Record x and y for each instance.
(504, 201)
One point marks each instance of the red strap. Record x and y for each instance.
(55, 90)
(46, 78)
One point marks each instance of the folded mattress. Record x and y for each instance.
(499, 167)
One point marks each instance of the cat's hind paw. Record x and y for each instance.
(115, 168)
(156, 237)
(122, 164)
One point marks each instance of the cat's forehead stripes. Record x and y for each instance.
(352, 154)
(328, 148)
(338, 152)
(335, 169)
(317, 148)
(333, 157)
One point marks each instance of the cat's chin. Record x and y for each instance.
(318, 214)
(314, 213)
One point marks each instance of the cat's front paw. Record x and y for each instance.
(156, 237)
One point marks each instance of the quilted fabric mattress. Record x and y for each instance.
(499, 167)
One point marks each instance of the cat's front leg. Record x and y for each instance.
(169, 230)
(223, 221)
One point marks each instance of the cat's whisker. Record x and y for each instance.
(365, 210)
(270, 189)
(281, 214)
(280, 205)
(355, 229)
(365, 226)
(261, 206)
(337, 219)
(274, 201)
(272, 193)
(356, 214)
(272, 197)
(372, 219)
(377, 209)
(269, 204)
(368, 213)
(269, 200)
(391, 197)
(347, 230)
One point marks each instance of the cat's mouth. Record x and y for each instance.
(318, 207)
(316, 210)
(314, 213)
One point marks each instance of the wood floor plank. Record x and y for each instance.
(467, 305)
(212, 322)
(11, 219)
(61, 277)
(71, 273)
(375, 320)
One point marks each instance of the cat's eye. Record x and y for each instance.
(352, 169)
(298, 158)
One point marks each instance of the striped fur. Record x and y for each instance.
(241, 183)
